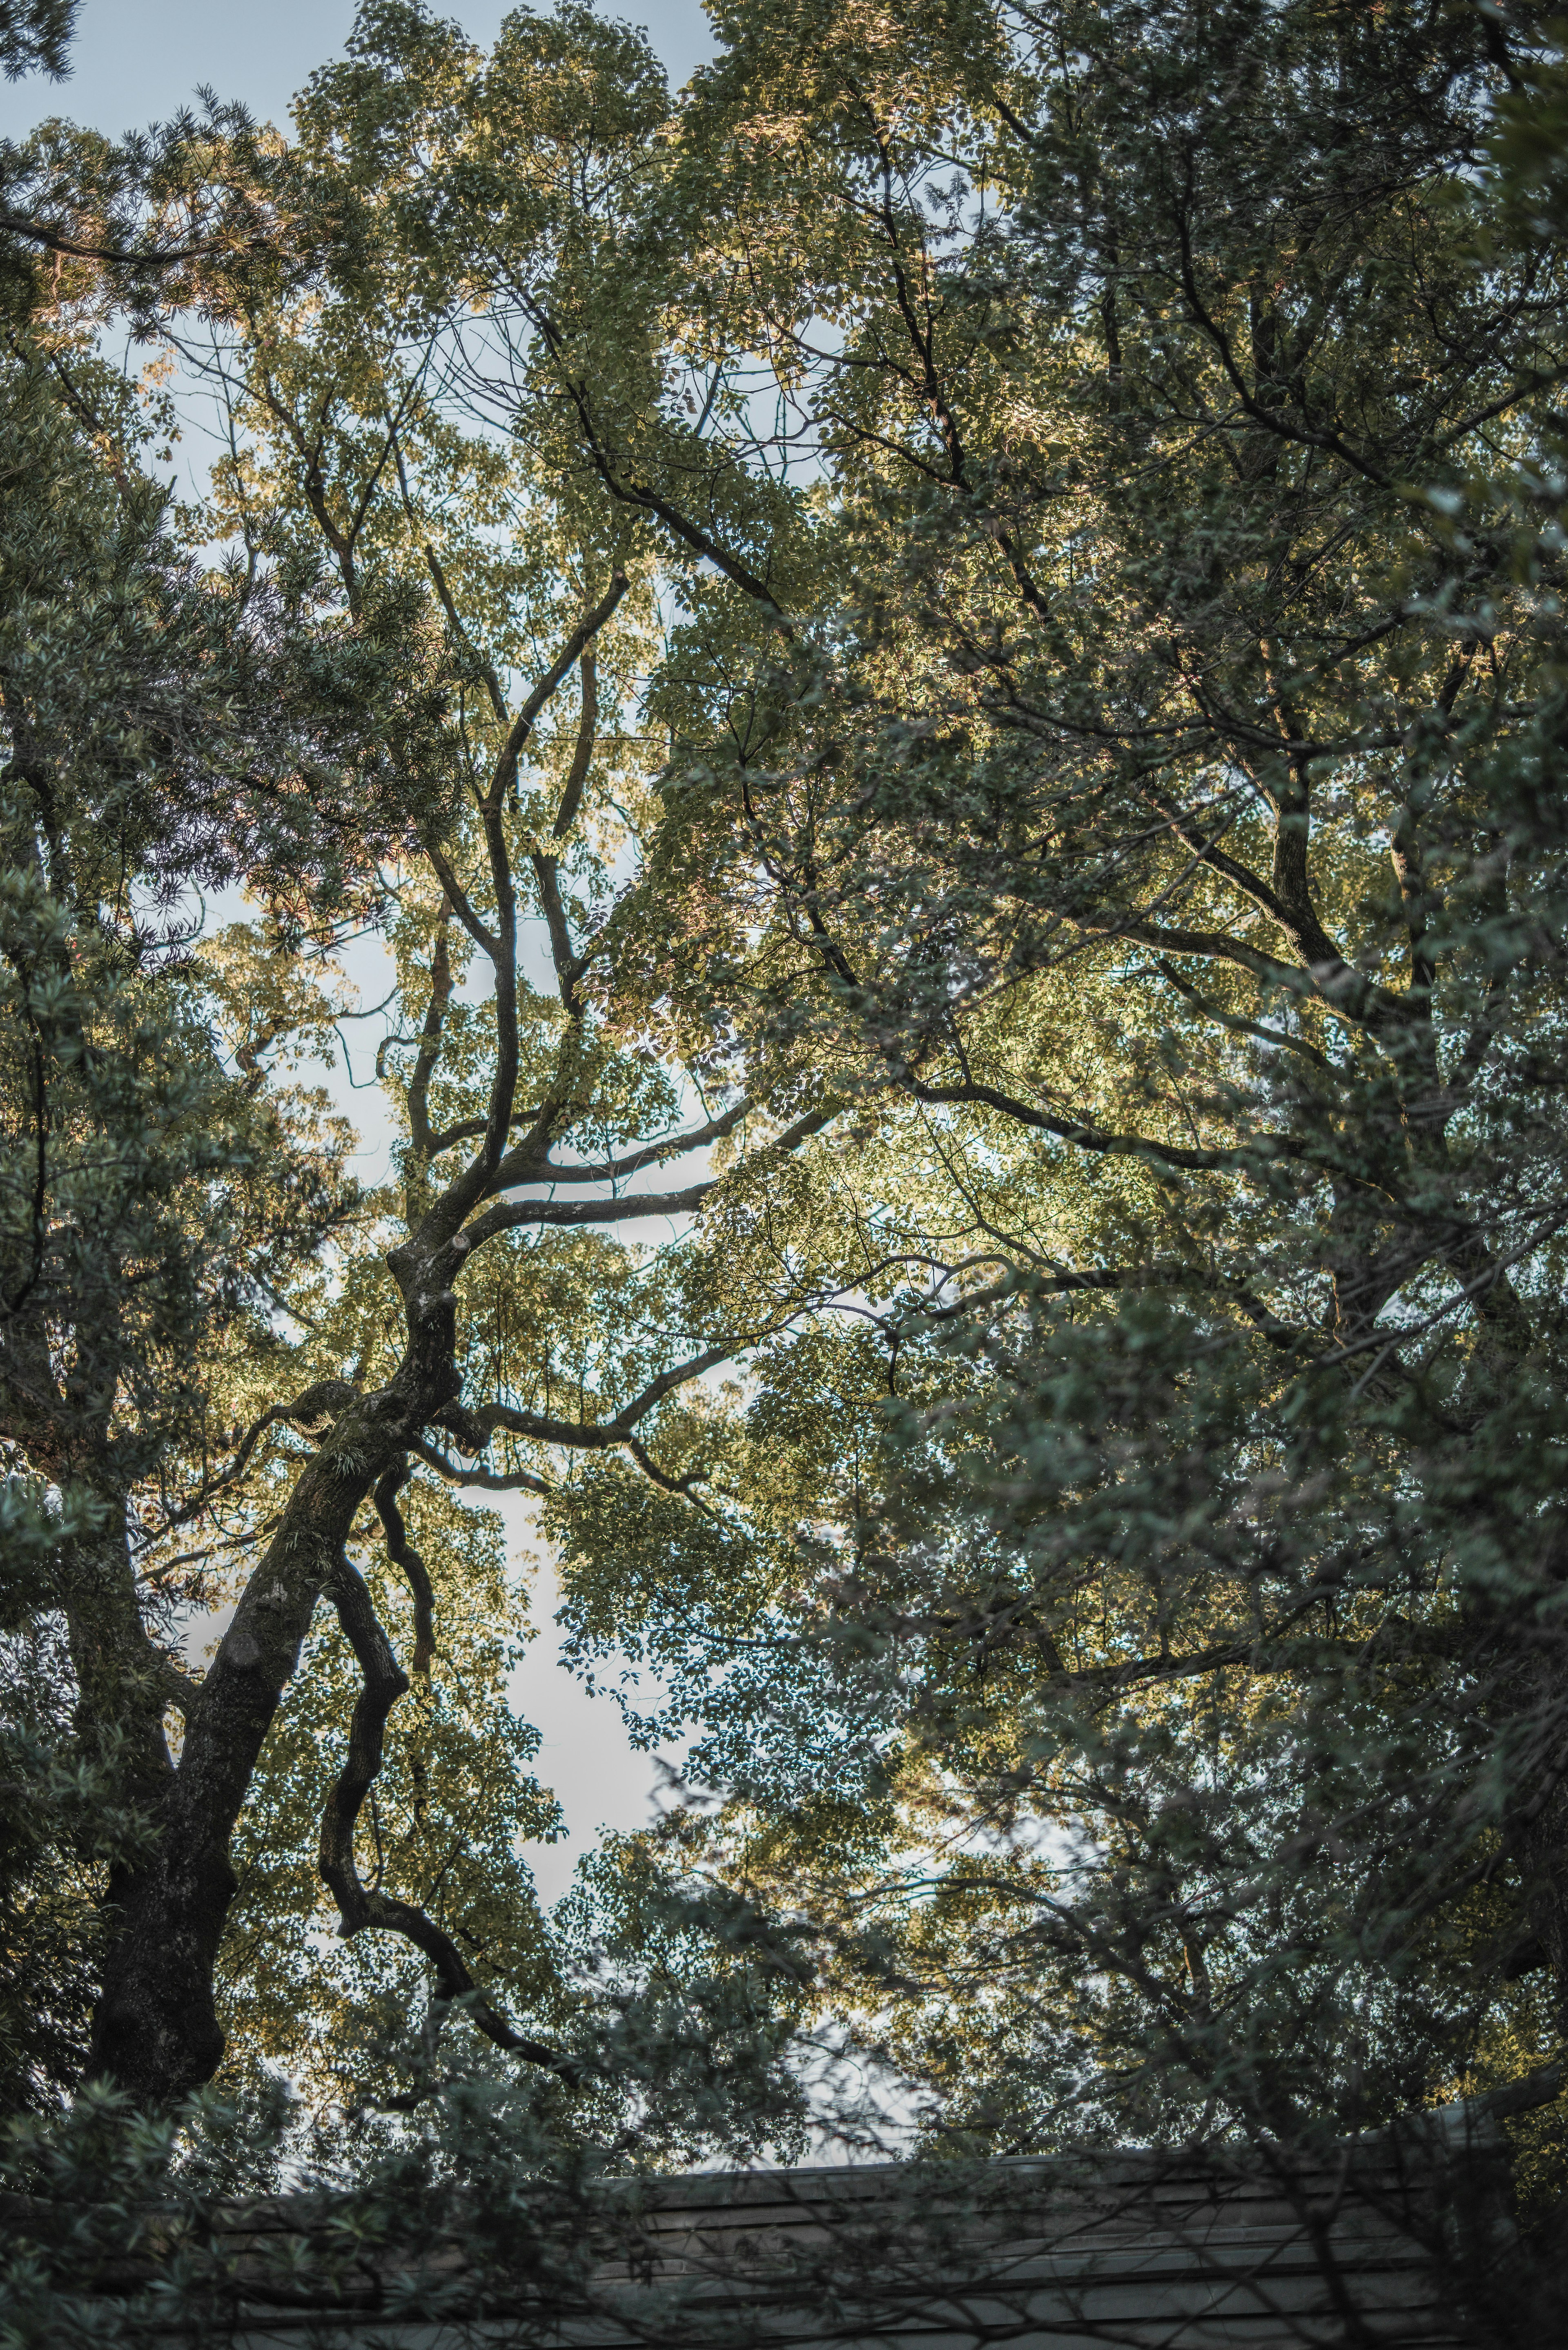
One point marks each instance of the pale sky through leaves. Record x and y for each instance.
(138, 61)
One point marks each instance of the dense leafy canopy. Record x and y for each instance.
(937, 672)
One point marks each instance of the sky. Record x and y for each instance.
(136, 62)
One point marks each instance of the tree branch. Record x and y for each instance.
(363, 1907)
(458, 898)
(583, 752)
(591, 1435)
(311, 1410)
(1088, 1137)
(509, 1215)
(430, 1039)
(587, 628)
(402, 1552)
(486, 668)
(486, 1481)
(517, 1168)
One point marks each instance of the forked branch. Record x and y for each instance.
(522, 726)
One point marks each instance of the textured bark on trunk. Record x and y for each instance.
(156, 2032)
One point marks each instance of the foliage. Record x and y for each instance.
(937, 670)
(35, 36)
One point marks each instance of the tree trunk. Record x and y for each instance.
(156, 2032)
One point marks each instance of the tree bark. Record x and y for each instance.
(156, 2032)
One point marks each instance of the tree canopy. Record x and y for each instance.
(935, 668)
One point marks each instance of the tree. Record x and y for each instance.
(965, 622)
(151, 1200)
(456, 590)
(1164, 811)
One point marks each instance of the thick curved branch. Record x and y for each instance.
(589, 1435)
(1338, 986)
(526, 1169)
(486, 668)
(384, 1681)
(468, 1129)
(570, 965)
(627, 491)
(663, 1480)
(583, 750)
(475, 1181)
(1087, 1137)
(510, 1215)
(572, 1435)
(1270, 418)
(403, 1554)
(484, 1480)
(1287, 902)
(587, 628)
(1276, 1039)
(525, 1166)
(500, 945)
(362, 1907)
(462, 904)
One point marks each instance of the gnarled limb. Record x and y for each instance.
(469, 1129)
(510, 1215)
(402, 1552)
(599, 1434)
(365, 1907)
(626, 489)
(524, 1165)
(661, 1477)
(583, 750)
(512, 1212)
(487, 668)
(1088, 1137)
(486, 1481)
(569, 964)
(475, 1430)
(458, 898)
